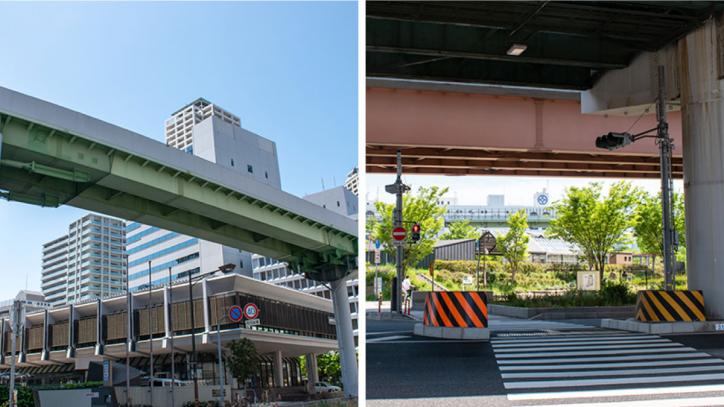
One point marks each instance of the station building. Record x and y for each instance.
(63, 343)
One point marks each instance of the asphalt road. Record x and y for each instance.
(406, 370)
(416, 371)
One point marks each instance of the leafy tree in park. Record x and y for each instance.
(594, 222)
(242, 359)
(330, 369)
(514, 244)
(460, 230)
(423, 208)
(648, 224)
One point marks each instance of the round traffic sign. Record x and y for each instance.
(235, 313)
(251, 311)
(399, 233)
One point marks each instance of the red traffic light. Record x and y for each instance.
(416, 228)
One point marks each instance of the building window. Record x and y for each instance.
(266, 174)
(250, 169)
(232, 162)
(337, 204)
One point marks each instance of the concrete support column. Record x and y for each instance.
(166, 313)
(47, 320)
(70, 352)
(312, 372)
(2, 336)
(278, 369)
(207, 324)
(100, 340)
(703, 135)
(345, 336)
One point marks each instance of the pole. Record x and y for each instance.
(218, 355)
(477, 272)
(665, 147)
(485, 269)
(15, 328)
(193, 344)
(170, 329)
(398, 223)
(150, 330)
(128, 343)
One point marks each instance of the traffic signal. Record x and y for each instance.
(416, 232)
(613, 140)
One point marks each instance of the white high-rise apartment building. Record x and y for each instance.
(180, 126)
(87, 263)
(351, 183)
(205, 130)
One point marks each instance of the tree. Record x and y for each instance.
(329, 366)
(460, 230)
(593, 222)
(242, 359)
(514, 244)
(648, 224)
(422, 208)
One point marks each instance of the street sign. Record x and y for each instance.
(486, 242)
(377, 286)
(251, 311)
(252, 322)
(235, 313)
(468, 280)
(378, 244)
(377, 256)
(106, 372)
(399, 233)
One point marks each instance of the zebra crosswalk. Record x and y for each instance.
(607, 368)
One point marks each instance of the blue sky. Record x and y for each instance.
(288, 70)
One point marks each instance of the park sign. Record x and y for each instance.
(486, 242)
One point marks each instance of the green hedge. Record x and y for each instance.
(612, 294)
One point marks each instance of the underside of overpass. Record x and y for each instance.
(443, 89)
(524, 88)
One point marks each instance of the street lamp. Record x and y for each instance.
(193, 333)
(224, 269)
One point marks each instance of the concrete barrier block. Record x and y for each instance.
(662, 328)
(476, 334)
(683, 327)
(452, 333)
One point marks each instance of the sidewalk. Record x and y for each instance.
(373, 312)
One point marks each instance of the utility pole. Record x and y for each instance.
(150, 330)
(193, 342)
(129, 330)
(398, 188)
(170, 330)
(218, 355)
(17, 324)
(665, 146)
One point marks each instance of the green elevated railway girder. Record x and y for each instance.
(49, 164)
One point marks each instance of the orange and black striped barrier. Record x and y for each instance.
(670, 306)
(461, 309)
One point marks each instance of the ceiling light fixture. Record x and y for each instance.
(516, 49)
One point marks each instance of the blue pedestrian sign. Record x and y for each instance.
(378, 244)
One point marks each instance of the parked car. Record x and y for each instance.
(324, 387)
